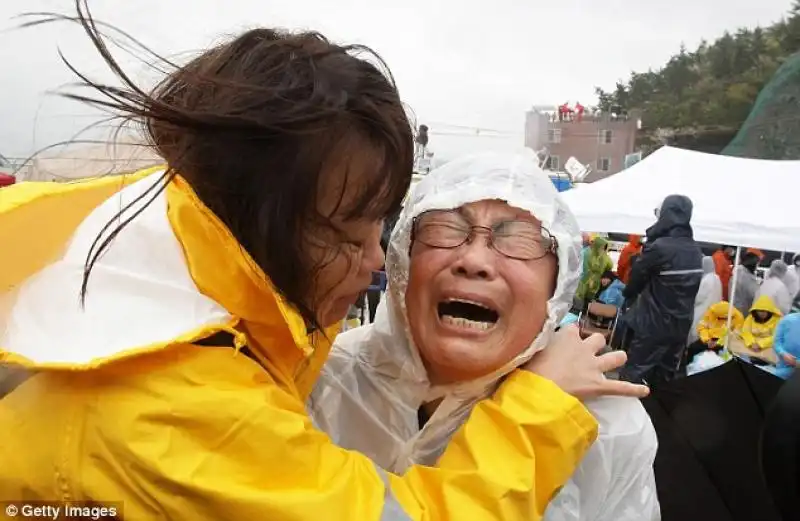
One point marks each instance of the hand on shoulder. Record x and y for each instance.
(576, 367)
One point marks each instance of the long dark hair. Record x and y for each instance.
(255, 125)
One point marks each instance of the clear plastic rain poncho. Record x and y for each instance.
(709, 293)
(776, 286)
(374, 382)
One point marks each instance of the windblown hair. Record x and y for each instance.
(255, 125)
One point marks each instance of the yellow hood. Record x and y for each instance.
(195, 278)
(718, 315)
(720, 310)
(764, 303)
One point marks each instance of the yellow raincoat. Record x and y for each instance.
(714, 325)
(180, 388)
(760, 336)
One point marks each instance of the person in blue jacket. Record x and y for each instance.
(611, 289)
(609, 293)
(787, 345)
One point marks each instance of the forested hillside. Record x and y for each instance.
(710, 89)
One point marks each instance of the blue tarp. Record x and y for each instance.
(562, 183)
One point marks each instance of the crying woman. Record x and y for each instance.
(482, 264)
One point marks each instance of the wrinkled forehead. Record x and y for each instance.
(491, 197)
(489, 211)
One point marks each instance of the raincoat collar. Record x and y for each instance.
(276, 334)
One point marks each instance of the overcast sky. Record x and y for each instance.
(468, 63)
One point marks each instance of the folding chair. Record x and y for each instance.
(587, 328)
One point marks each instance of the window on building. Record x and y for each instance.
(554, 135)
(604, 164)
(553, 163)
(605, 137)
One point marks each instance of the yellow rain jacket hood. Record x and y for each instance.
(180, 388)
(760, 335)
(374, 383)
(714, 324)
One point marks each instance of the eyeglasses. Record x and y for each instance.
(447, 229)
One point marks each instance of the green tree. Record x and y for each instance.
(713, 86)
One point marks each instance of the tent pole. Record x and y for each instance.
(732, 295)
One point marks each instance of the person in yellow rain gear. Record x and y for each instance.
(712, 330)
(171, 324)
(758, 332)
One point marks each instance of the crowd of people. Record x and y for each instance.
(683, 313)
(677, 300)
(763, 313)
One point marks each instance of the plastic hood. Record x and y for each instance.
(513, 178)
(777, 269)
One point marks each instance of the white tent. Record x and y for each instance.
(746, 202)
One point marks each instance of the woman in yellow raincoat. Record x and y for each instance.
(758, 332)
(171, 324)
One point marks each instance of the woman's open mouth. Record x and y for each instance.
(467, 315)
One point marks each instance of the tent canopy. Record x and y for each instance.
(745, 202)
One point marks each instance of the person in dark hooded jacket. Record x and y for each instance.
(664, 281)
(378, 285)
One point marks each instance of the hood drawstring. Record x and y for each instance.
(239, 338)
